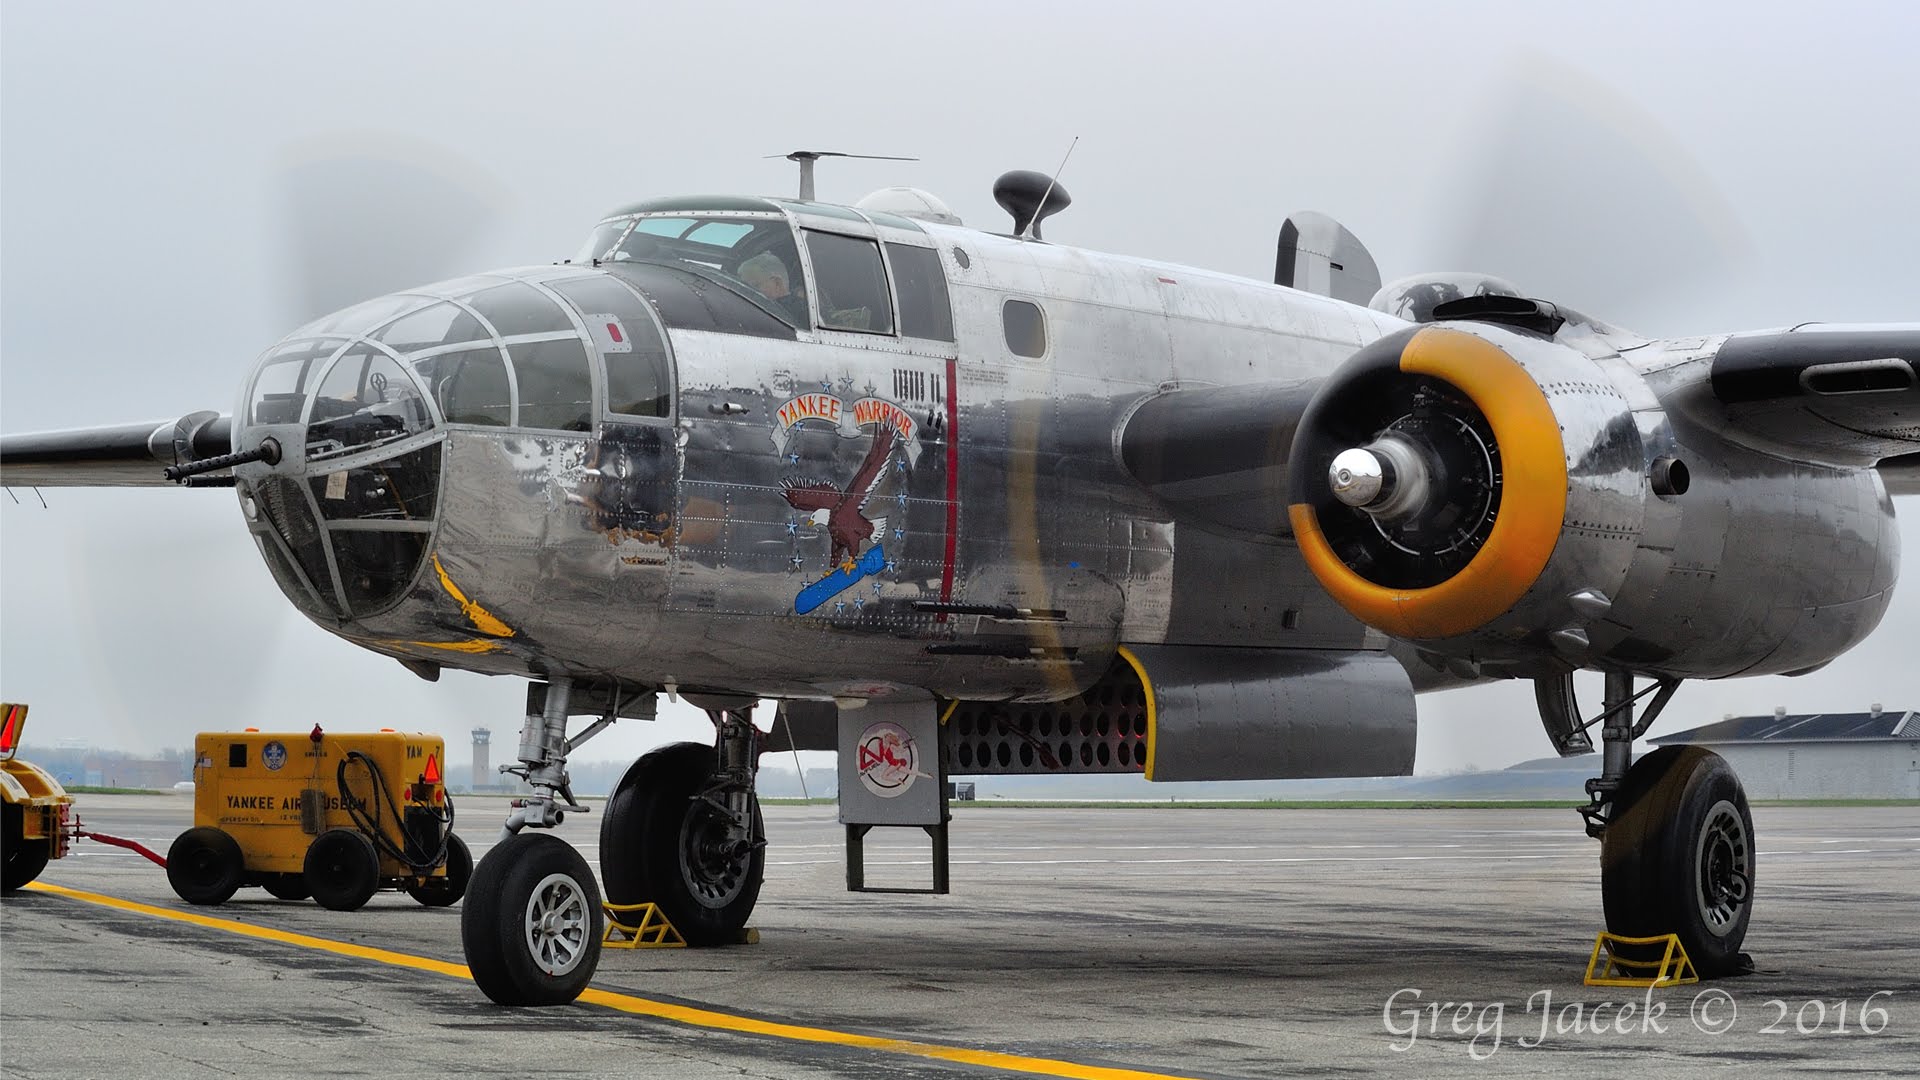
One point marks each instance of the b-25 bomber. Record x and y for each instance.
(967, 502)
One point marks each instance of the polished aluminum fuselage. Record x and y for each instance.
(1018, 552)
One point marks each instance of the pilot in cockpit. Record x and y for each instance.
(767, 274)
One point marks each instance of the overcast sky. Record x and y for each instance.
(1671, 170)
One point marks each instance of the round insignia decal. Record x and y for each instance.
(274, 755)
(889, 760)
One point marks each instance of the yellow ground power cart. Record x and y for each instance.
(334, 817)
(34, 809)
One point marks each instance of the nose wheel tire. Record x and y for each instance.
(531, 927)
(21, 860)
(659, 843)
(205, 866)
(446, 891)
(1678, 856)
(342, 870)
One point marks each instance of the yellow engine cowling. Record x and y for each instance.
(1512, 491)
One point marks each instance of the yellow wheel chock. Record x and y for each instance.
(1672, 969)
(640, 926)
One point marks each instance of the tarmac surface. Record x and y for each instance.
(1115, 943)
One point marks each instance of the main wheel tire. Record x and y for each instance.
(531, 928)
(342, 870)
(205, 866)
(286, 886)
(1678, 857)
(659, 843)
(446, 891)
(21, 859)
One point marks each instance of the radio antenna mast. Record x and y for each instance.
(806, 158)
(1047, 194)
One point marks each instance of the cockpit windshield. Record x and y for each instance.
(753, 254)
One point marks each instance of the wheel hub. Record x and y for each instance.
(713, 864)
(1723, 859)
(558, 924)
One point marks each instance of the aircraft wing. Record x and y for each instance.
(1902, 474)
(1828, 392)
(121, 455)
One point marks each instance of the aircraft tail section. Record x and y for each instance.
(1319, 255)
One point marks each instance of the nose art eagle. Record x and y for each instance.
(840, 510)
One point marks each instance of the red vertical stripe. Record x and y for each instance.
(953, 486)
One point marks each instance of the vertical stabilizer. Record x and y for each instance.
(1318, 255)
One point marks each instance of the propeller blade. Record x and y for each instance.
(1582, 197)
(366, 214)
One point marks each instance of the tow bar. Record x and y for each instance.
(77, 830)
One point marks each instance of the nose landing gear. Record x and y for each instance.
(532, 921)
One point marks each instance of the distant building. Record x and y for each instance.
(1863, 755)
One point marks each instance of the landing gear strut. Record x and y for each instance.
(1676, 835)
(532, 922)
(682, 831)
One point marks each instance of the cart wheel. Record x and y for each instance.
(446, 891)
(286, 886)
(205, 866)
(21, 860)
(342, 870)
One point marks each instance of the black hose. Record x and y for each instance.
(369, 823)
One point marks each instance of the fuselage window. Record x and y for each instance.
(629, 344)
(924, 309)
(556, 388)
(851, 283)
(1026, 328)
(469, 385)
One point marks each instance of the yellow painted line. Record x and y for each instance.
(264, 933)
(639, 1006)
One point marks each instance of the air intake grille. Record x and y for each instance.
(1102, 731)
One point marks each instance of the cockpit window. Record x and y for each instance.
(366, 400)
(852, 284)
(430, 328)
(735, 250)
(469, 385)
(556, 388)
(623, 331)
(924, 309)
(519, 308)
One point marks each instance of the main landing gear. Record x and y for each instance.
(1676, 836)
(682, 831)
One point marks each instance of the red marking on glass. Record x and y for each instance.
(613, 330)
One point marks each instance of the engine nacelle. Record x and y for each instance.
(1477, 490)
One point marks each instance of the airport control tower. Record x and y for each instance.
(482, 758)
